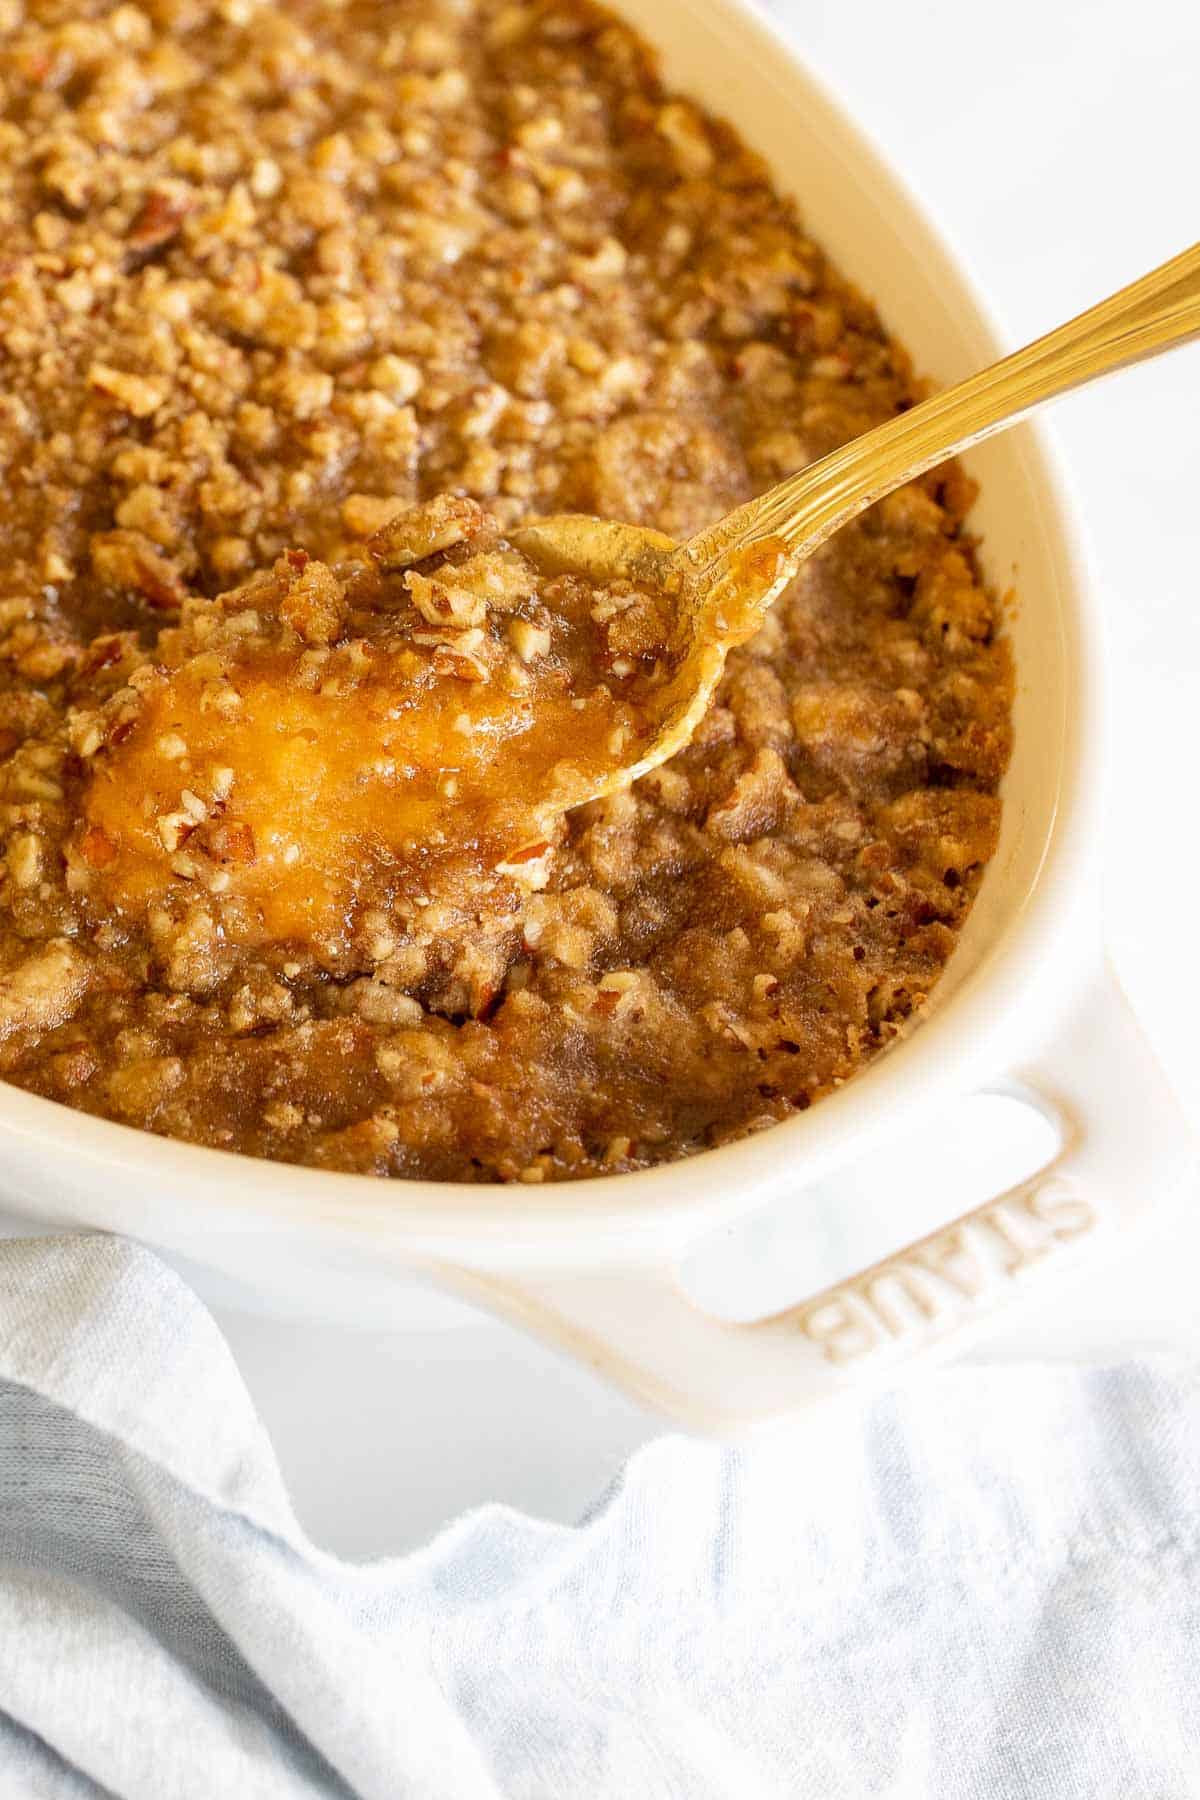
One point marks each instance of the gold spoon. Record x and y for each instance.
(724, 579)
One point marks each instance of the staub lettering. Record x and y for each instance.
(954, 1269)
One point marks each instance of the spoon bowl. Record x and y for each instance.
(717, 604)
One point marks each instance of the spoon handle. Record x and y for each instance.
(1151, 315)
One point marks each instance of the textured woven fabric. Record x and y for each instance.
(986, 1585)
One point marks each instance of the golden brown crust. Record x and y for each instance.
(268, 276)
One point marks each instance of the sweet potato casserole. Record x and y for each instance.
(303, 308)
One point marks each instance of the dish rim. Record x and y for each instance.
(959, 1044)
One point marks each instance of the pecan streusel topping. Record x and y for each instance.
(301, 309)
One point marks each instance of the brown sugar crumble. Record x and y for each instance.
(302, 308)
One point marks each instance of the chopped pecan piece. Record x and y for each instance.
(128, 560)
(422, 530)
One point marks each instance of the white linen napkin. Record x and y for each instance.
(984, 1585)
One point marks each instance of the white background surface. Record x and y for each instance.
(1057, 141)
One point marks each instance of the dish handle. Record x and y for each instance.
(1124, 1143)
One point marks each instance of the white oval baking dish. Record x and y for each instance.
(1025, 1008)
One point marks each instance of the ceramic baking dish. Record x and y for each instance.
(1026, 1028)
